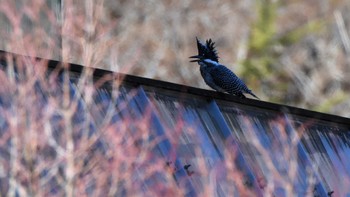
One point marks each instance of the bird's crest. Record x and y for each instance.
(206, 51)
(211, 51)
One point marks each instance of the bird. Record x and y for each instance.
(216, 75)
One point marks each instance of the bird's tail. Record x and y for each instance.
(251, 93)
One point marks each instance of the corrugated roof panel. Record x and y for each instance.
(271, 144)
(202, 129)
(191, 136)
(135, 111)
(330, 152)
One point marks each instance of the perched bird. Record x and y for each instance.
(216, 75)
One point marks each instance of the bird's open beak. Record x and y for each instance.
(195, 56)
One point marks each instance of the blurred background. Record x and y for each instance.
(291, 52)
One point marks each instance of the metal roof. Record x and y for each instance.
(275, 149)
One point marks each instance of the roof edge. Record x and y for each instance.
(209, 94)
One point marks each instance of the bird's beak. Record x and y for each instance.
(195, 56)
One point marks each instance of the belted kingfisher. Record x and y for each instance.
(216, 75)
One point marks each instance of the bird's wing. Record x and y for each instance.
(227, 80)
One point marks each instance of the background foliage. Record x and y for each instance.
(54, 142)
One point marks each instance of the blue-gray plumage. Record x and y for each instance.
(216, 75)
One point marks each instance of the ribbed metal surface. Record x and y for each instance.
(301, 152)
(270, 148)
